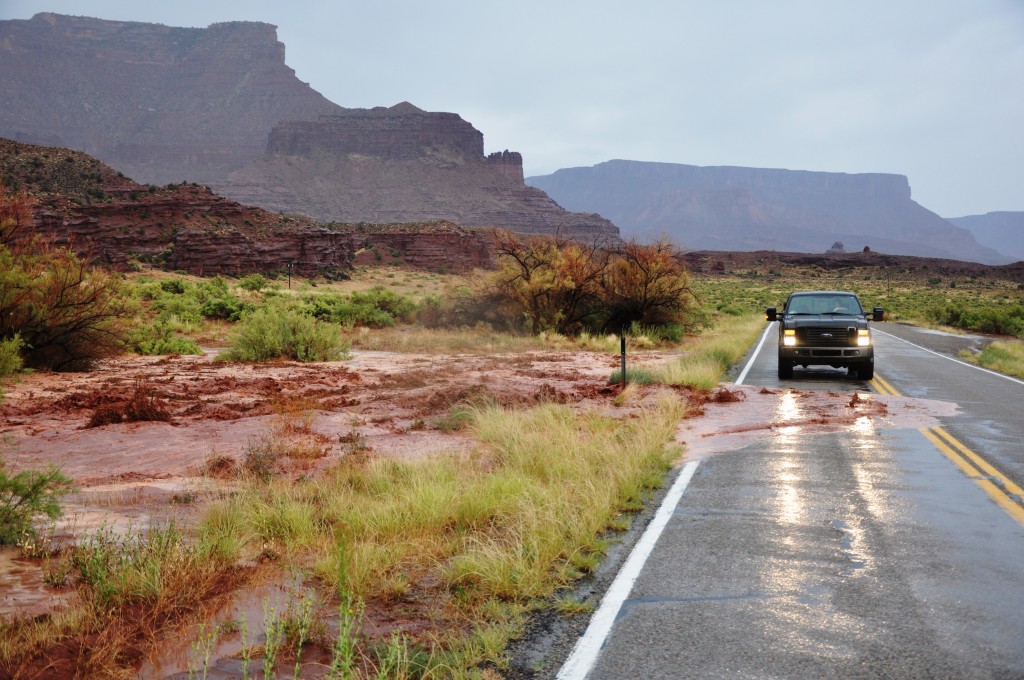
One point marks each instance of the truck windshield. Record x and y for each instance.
(824, 304)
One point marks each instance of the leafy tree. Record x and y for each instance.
(552, 282)
(647, 285)
(565, 285)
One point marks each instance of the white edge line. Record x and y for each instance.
(746, 369)
(588, 648)
(949, 358)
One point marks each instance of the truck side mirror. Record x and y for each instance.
(878, 314)
(771, 314)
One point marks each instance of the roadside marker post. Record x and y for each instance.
(622, 343)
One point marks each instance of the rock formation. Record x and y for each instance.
(400, 164)
(209, 105)
(1002, 231)
(732, 208)
(161, 104)
(115, 221)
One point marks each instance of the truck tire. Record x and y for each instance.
(785, 369)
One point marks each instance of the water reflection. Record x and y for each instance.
(785, 466)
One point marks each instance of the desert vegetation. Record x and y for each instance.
(985, 303)
(396, 566)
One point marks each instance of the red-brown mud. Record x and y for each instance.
(211, 414)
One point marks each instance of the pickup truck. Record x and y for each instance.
(825, 328)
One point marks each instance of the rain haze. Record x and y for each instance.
(932, 90)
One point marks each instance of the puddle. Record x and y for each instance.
(22, 590)
(235, 629)
(787, 413)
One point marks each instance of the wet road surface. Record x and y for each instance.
(856, 551)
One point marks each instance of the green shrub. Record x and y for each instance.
(173, 286)
(10, 359)
(159, 338)
(10, 356)
(227, 307)
(253, 282)
(375, 308)
(276, 332)
(27, 495)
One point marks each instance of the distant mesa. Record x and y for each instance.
(747, 209)
(1002, 231)
(219, 106)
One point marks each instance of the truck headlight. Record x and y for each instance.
(863, 337)
(789, 338)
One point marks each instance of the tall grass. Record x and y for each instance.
(514, 521)
(1005, 357)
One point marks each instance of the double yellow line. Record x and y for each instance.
(1004, 492)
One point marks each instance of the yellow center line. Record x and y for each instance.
(1004, 492)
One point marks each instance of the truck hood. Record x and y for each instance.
(825, 321)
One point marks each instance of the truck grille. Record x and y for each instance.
(827, 337)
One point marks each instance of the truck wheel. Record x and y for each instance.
(866, 371)
(785, 369)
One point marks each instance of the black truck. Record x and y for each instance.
(825, 328)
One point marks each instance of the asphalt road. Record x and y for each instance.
(861, 551)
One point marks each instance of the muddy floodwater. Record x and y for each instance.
(130, 475)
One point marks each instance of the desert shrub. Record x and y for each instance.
(227, 307)
(67, 313)
(184, 308)
(399, 306)
(10, 359)
(253, 282)
(159, 338)
(276, 332)
(26, 495)
(173, 286)
(555, 284)
(375, 308)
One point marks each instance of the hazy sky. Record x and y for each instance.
(931, 89)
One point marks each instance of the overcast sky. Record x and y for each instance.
(931, 89)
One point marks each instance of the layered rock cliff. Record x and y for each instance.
(400, 164)
(160, 104)
(732, 208)
(209, 105)
(113, 220)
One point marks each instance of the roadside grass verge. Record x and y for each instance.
(707, 357)
(1005, 357)
(484, 535)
